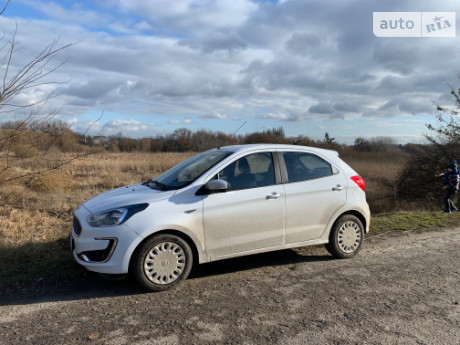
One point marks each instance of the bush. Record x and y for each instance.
(417, 180)
(49, 182)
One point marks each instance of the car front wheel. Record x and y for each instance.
(162, 262)
(346, 237)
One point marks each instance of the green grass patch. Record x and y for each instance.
(410, 221)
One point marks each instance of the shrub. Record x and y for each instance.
(417, 181)
(50, 182)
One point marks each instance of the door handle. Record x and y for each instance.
(338, 188)
(272, 196)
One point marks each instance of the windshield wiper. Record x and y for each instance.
(159, 184)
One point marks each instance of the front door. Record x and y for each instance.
(250, 215)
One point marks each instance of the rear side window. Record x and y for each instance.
(302, 166)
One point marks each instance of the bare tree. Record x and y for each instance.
(34, 135)
(417, 181)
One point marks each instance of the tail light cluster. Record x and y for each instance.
(359, 181)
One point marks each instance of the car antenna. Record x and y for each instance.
(235, 131)
(239, 127)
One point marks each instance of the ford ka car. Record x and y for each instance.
(223, 203)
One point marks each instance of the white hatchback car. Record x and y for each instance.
(222, 203)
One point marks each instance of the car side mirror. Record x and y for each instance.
(217, 186)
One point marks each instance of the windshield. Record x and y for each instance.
(187, 171)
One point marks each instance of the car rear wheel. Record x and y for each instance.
(162, 262)
(346, 237)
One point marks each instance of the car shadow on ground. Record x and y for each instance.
(91, 285)
(272, 259)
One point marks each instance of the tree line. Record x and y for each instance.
(58, 135)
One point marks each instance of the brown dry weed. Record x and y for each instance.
(40, 209)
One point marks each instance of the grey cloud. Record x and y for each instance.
(427, 84)
(402, 105)
(189, 18)
(416, 106)
(297, 117)
(215, 116)
(303, 44)
(75, 15)
(91, 89)
(347, 107)
(391, 83)
(218, 41)
(400, 58)
(321, 108)
(288, 74)
(445, 98)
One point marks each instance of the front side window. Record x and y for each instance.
(255, 170)
(188, 171)
(303, 166)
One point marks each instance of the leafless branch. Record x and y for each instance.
(31, 75)
(31, 139)
(4, 7)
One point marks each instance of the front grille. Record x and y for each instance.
(76, 226)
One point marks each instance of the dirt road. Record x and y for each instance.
(402, 289)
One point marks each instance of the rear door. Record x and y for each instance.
(315, 190)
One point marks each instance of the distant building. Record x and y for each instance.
(100, 140)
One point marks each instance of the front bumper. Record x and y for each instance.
(103, 250)
(95, 255)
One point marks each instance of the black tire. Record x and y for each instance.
(162, 262)
(346, 237)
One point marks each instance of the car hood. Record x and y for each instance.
(124, 196)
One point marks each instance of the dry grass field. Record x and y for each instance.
(380, 171)
(40, 208)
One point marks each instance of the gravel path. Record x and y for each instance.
(402, 288)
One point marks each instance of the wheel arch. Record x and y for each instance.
(182, 235)
(358, 215)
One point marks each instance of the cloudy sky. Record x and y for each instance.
(310, 66)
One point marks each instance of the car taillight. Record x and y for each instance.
(359, 181)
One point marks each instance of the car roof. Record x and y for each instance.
(252, 147)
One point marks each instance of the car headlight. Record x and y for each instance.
(114, 216)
